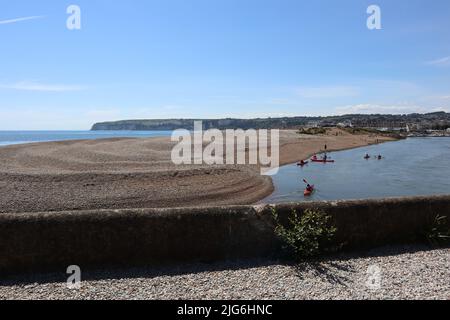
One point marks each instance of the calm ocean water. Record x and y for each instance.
(19, 137)
(417, 166)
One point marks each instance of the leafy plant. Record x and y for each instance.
(307, 235)
(312, 131)
(439, 233)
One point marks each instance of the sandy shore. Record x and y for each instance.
(136, 173)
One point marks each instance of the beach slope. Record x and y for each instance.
(138, 173)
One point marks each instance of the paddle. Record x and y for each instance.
(307, 183)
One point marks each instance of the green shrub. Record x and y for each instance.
(312, 131)
(307, 235)
(439, 232)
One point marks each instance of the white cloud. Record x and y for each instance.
(20, 19)
(442, 62)
(34, 86)
(327, 92)
(386, 109)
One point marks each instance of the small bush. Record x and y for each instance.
(312, 131)
(439, 232)
(307, 235)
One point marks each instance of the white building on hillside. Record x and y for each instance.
(313, 124)
(345, 124)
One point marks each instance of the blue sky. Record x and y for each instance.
(218, 58)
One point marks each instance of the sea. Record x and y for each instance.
(22, 137)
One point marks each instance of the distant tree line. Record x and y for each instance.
(437, 121)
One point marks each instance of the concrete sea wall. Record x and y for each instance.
(54, 240)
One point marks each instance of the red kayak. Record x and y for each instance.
(308, 192)
(322, 161)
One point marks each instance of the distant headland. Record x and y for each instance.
(408, 122)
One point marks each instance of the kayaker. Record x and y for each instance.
(309, 188)
(314, 157)
(380, 157)
(367, 156)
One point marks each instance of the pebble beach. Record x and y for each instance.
(138, 173)
(406, 273)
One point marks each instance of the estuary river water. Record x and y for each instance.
(416, 166)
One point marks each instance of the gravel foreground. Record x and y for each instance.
(405, 273)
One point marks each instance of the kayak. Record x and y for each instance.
(307, 192)
(322, 161)
(302, 164)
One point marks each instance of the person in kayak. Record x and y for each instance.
(309, 188)
(367, 156)
(380, 157)
(314, 157)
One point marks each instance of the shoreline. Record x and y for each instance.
(122, 173)
(352, 148)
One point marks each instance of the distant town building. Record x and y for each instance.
(345, 124)
(313, 124)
